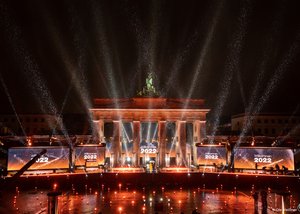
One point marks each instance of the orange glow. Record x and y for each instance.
(60, 162)
(126, 169)
(54, 186)
(175, 169)
(29, 141)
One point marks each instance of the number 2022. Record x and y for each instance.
(262, 160)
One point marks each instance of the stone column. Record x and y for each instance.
(177, 147)
(181, 142)
(197, 137)
(99, 128)
(136, 142)
(202, 130)
(116, 147)
(162, 143)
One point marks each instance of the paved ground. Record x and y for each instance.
(132, 201)
(146, 193)
(126, 200)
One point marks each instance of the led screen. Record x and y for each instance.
(250, 158)
(54, 158)
(89, 155)
(210, 155)
(148, 147)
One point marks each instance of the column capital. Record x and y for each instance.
(97, 121)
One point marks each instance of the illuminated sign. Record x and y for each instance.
(54, 158)
(210, 155)
(251, 158)
(148, 148)
(91, 155)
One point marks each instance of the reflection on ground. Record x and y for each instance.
(125, 200)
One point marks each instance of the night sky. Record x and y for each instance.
(56, 56)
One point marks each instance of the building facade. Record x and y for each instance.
(267, 124)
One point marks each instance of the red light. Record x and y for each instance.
(54, 186)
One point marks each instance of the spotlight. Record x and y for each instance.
(253, 141)
(29, 141)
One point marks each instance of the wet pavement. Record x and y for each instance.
(125, 200)
(149, 193)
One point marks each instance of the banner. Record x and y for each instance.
(148, 148)
(55, 158)
(89, 155)
(211, 155)
(257, 158)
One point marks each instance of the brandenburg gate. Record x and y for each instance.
(139, 111)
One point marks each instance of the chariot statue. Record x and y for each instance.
(149, 89)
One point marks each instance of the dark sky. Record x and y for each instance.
(56, 56)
